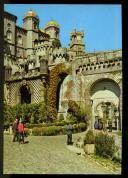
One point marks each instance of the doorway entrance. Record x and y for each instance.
(25, 94)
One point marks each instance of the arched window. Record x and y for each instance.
(8, 25)
(35, 25)
(9, 35)
(19, 40)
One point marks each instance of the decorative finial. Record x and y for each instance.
(74, 29)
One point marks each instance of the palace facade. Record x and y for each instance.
(31, 53)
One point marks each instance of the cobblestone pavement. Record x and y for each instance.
(46, 155)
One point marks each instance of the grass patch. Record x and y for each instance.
(109, 164)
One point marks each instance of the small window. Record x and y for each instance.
(8, 24)
(19, 40)
(9, 35)
(35, 25)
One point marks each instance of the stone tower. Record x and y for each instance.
(31, 24)
(76, 42)
(52, 28)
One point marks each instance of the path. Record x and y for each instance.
(46, 155)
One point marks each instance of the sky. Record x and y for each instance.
(101, 23)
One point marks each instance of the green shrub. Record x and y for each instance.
(119, 133)
(26, 132)
(75, 128)
(37, 131)
(104, 145)
(30, 126)
(82, 126)
(89, 137)
(78, 112)
(33, 113)
(47, 131)
(61, 117)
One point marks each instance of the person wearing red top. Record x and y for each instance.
(21, 131)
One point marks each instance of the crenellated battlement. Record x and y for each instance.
(96, 63)
(42, 46)
(60, 52)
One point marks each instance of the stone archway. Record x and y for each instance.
(105, 91)
(25, 94)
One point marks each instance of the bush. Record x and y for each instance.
(61, 117)
(56, 130)
(47, 131)
(82, 126)
(33, 113)
(37, 131)
(26, 132)
(104, 145)
(30, 126)
(89, 137)
(77, 112)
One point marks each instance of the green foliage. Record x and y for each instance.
(30, 126)
(54, 78)
(78, 112)
(9, 115)
(49, 131)
(119, 133)
(61, 117)
(104, 144)
(57, 130)
(89, 137)
(33, 113)
(26, 132)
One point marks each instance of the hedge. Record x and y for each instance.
(57, 130)
(104, 145)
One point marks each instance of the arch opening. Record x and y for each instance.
(105, 95)
(25, 94)
(62, 77)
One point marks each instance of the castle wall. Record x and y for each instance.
(89, 71)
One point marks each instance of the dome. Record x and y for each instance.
(31, 13)
(52, 23)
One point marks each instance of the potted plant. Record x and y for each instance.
(89, 142)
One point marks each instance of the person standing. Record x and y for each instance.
(69, 129)
(15, 130)
(21, 131)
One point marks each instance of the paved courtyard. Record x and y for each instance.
(47, 155)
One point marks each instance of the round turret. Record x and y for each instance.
(31, 13)
(52, 23)
(52, 28)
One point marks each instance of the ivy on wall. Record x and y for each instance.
(56, 75)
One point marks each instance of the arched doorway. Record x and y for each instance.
(105, 95)
(25, 94)
(62, 77)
